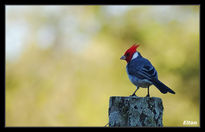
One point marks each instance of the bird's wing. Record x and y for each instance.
(142, 69)
(149, 71)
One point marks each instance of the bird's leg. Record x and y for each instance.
(135, 92)
(148, 92)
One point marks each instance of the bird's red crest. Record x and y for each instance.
(129, 53)
(133, 48)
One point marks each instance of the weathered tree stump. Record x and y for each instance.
(135, 111)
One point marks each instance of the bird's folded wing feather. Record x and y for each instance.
(143, 71)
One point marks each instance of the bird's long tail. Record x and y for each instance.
(162, 87)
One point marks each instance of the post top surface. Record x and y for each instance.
(136, 97)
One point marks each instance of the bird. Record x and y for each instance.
(141, 72)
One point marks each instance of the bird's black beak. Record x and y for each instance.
(123, 58)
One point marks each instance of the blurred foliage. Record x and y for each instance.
(62, 62)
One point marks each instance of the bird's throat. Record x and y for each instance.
(135, 55)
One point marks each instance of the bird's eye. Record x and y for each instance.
(127, 54)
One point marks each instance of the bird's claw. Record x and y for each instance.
(133, 95)
(147, 95)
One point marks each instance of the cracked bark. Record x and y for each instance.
(135, 111)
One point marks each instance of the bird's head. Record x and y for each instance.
(129, 53)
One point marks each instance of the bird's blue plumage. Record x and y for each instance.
(141, 68)
(143, 74)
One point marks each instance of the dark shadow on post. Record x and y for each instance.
(135, 111)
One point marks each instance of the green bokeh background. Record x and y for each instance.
(62, 62)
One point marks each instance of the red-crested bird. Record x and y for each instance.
(141, 72)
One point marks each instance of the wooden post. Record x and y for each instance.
(135, 111)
